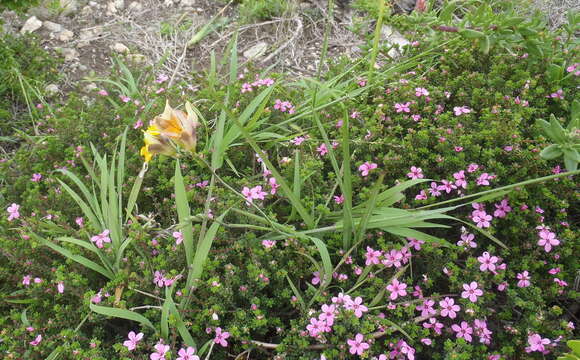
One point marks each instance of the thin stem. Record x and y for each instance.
(378, 29)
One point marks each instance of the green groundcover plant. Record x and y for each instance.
(408, 211)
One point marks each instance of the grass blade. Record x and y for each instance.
(122, 314)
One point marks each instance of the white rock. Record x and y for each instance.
(68, 6)
(69, 54)
(135, 6)
(120, 48)
(393, 37)
(257, 50)
(187, 2)
(65, 35)
(119, 4)
(90, 87)
(51, 26)
(31, 25)
(51, 89)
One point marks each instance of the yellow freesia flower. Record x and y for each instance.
(178, 126)
(155, 143)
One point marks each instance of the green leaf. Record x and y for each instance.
(183, 213)
(471, 34)
(484, 44)
(77, 258)
(551, 152)
(574, 345)
(122, 314)
(203, 250)
(296, 292)
(446, 15)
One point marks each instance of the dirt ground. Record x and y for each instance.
(87, 34)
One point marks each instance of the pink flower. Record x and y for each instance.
(448, 308)
(487, 262)
(357, 345)
(433, 323)
(187, 354)
(101, 238)
(13, 212)
(547, 240)
(36, 341)
(463, 331)
(221, 336)
(502, 209)
(397, 289)
(356, 306)
(160, 351)
(523, 279)
(341, 299)
(426, 308)
(537, 343)
(254, 193)
(471, 292)
(472, 168)
(316, 279)
(328, 314)
(246, 87)
(446, 186)
(36, 177)
(557, 95)
(421, 92)
(434, 189)
(124, 98)
(322, 149)
(372, 256)
(366, 168)
(60, 287)
(415, 243)
(426, 341)
(481, 219)
(131, 344)
(339, 199)
(403, 107)
(103, 92)
(483, 179)
(393, 258)
(268, 244)
(178, 236)
(26, 280)
(273, 185)
(80, 221)
(416, 173)
(161, 78)
(460, 110)
(460, 179)
(298, 140)
(138, 124)
(467, 240)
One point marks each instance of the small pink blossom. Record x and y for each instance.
(339, 199)
(60, 287)
(36, 177)
(357, 345)
(460, 110)
(483, 179)
(403, 107)
(464, 331)
(548, 240)
(254, 193)
(134, 339)
(397, 289)
(502, 209)
(366, 168)
(221, 336)
(160, 351)
(415, 173)
(187, 354)
(178, 236)
(449, 308)
(471, 291)
(356, 306)
(13, 212)
(372, 256)
(101, 238)
(537, 343)
(523, 279)
(322, 149)
(421, 92)
(487, 262)
(36, 341)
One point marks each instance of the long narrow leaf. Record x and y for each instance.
(123, 314)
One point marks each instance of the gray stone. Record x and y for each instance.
(68, 7)
(31, 25)
(51, 89)
(257, 50)
(51, 26)
(393, 37)
(120, 48)
(69, 54)
(65, 35)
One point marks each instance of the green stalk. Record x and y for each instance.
(378, 29)
(327, 29)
